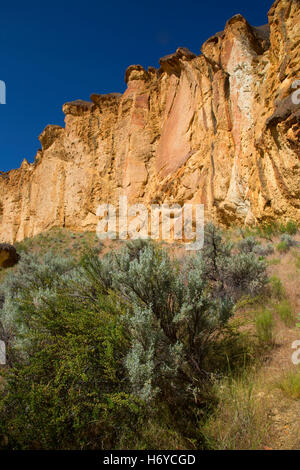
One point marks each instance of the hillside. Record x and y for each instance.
(144, 346)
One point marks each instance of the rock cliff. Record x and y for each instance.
(219, 128)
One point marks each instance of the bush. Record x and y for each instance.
(99, 349)
(291, 227)
(173, 317)
(298, 262)
(251, 245)
(68, 387)
(283, 247)
(285, 238)
(277, 288)
(235, 273)
(176, 311)
(290, 384)
(264, 250)
(247, 245)
(271, 229)
(285, 312)
(264, 323)
(286, 242)
(245, 274)
(35, 276)
(268, 230)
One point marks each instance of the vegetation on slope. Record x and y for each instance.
(141, 347)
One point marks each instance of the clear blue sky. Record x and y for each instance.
(58, 51)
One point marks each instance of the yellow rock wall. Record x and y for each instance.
(220, 128)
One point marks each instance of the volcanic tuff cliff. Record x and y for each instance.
(218, 128)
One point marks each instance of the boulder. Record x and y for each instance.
(8, 255)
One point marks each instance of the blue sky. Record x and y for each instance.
(58, 51)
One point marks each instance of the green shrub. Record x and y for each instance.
(176, 310)
(247, 245)
(101, 349)
(286, 238)
(37, 276)
(291, 227)
(268, 230)
(277, 288)
(264, 250)
(286, 242)
(271, 229)
(67, 388)
(173, 319)
(236, 273)
(290, 384)
(282, 247)
(251, 245)
(285, 312)
(273, 261)
(264, 323)
(244, 274)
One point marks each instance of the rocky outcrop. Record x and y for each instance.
(219, 128)
(8, 255)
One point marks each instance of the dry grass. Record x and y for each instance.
(290, 384)
(240, 419)
(289, 276)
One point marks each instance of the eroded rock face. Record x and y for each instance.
(219, 128)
